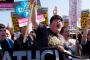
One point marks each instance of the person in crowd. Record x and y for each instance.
(13, 36)
(85, 41)
(32, 35)
(8, 34)
(19, 44)
(16, 35)
(79, 37)
(48, 37)
(5, 43)
(70, 43)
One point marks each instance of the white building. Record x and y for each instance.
(74, 13)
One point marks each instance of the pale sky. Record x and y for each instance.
(63, 9)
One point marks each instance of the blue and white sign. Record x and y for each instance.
(22, 8)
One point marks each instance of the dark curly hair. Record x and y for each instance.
(56, 17)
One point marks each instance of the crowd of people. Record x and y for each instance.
(56, 36)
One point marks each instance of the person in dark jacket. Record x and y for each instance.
(20, 45)
(86, 44)
(5, 43)
(48, 37)
(85, 41)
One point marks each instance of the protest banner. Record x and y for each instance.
(84, 18)
(14, 21)
(38, 54)
(43, 11)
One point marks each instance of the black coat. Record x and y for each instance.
(6, 44)
(86, 48)
(19, 45)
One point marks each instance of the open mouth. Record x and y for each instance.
(58, 26)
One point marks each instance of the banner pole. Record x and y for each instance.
(28, 22)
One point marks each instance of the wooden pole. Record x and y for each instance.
(28, 22)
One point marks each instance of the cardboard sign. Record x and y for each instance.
(84, 18)
(44, 12)
(15, 22)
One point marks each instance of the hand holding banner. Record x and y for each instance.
(29, 19)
